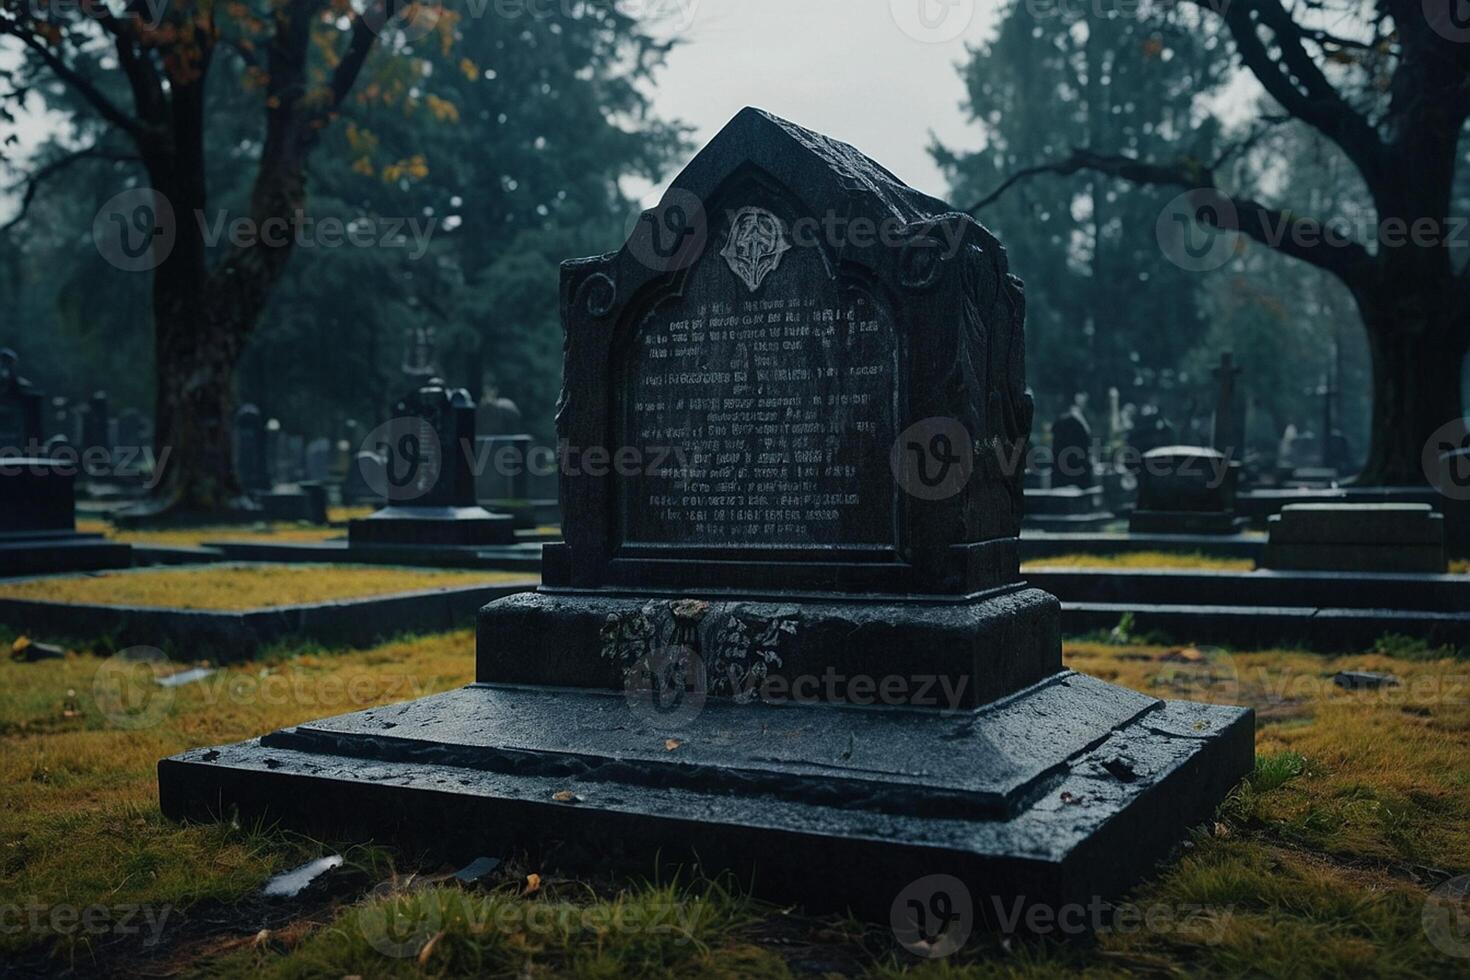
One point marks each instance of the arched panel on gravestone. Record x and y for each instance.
(776, 380)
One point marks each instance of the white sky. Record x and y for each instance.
(845, 68)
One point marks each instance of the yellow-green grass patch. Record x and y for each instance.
(1146, 559)
(233, 587)
(1318, 865)
(193, 537)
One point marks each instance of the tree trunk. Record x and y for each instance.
(1418, 344)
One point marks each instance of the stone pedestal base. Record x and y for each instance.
(980, 647)
(1067, 791)
(396, 525)
(825, 749)
(1184, 522)
(1356, 538)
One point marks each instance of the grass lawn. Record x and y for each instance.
(1146, 559)
(193, 537)
(1169, 559)
(1319, 865)
(243, 586)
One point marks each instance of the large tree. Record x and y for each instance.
(1103, 306)
(143, 71)
(1389, 84)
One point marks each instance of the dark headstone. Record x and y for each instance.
(1356, 538)
(1228, 428)
(367, 472)
(1186, 490)
(1071, 451)
(498, 416)
(250, 449)
(429, 479)
(97, 424)
(21, 406)
(831, 521)
(319, 460)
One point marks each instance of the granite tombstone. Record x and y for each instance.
(430, 482)
(21, 429)
(1186, 490)
(789, 528)
(251, 461)
(38, 491)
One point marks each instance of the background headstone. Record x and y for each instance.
(250, 449)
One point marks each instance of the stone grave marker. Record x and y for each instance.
(788, 529)
(250, 451)
(1389, 537)
(428, 476)
(38, 492)
(319, 460)
(20, 410)
(1186, 490)
(1071, 449)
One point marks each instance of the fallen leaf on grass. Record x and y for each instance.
(428, 949)
(1184, 655)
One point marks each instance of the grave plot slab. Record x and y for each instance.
(520, 557)
(790, 638)
(1040, 545)
(1062, 791)
(1330, 611)
(1387, 537)
(231, 634)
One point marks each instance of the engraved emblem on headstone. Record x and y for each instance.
(755, 246)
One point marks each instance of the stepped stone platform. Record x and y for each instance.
(819, 669)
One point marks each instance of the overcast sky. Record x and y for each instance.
(880, 74)
(845, 67)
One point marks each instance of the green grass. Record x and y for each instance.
(224, 587)
(1146, 559)
(1317, 865)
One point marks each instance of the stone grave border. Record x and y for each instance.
(232, 635)
(1324, 611)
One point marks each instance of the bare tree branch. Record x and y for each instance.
(1295, 80)
(364, 36)
(101, 103)
(34, 181)
(1303, 238)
